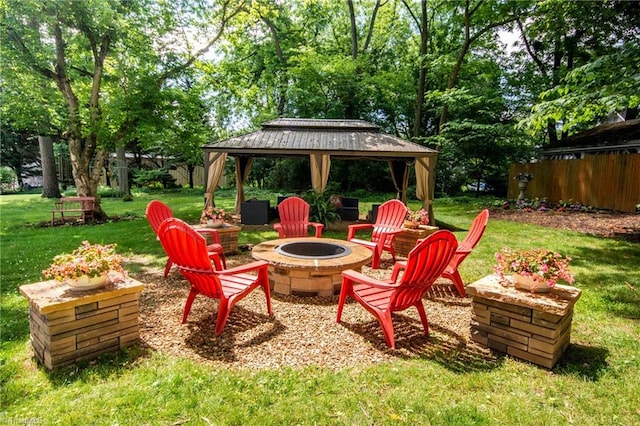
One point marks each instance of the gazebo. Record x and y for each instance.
(322, 140)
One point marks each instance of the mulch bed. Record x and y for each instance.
(604, 224)
(303, 331)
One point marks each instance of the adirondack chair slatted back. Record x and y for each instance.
(294, 217)
(465, 248)
(156, 213)
(188, 251)
(475, 232)
(425, 264)
(388, 224)
(391, 215)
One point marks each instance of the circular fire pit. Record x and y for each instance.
(310, 266)
(313, 250)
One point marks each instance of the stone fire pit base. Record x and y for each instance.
(304, 282)
(309, 277)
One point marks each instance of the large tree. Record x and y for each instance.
(578, 63)
(67, 42)
(70, 43)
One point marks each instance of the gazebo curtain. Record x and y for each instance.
(400, 175)
(243, 165)
(320, 165)
(215, 167)
(426, 183)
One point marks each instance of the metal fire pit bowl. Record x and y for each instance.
(313, 250)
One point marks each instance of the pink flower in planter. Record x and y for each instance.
(544, 266)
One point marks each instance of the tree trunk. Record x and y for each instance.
(354, 31)
(191, 169)
(453, 78)
(87, 170)
(422, 77)
(50, 187)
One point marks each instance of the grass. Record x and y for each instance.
(594, 383)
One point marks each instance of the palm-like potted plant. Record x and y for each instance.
(88, 267)
(537, 270)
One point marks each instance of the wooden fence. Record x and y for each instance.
(181, 175)
(607, 181)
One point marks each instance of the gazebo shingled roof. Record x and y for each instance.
(338, 138)
(322, 140)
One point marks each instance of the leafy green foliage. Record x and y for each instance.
(591, 92)
(320, 209)
(567, 65)
(161, 94)
(154, 178)
(19, 152)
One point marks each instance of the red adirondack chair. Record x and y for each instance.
(424, 265)
(157, 212)
(188, 251)
(464, 248)
(391, 215)
(294, 219)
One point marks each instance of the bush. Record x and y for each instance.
(320, 209)
(154, 178)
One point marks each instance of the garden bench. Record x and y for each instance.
(82, 207)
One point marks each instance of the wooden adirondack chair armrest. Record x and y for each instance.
(364, 279)
(318, 227)
(211, 232)
(357, 227)
(369, 244)
(397, 267)
(249, 267)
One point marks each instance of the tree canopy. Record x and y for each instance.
(163, 78)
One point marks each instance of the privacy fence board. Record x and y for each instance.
(608, 181)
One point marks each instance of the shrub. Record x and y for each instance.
(320, 209)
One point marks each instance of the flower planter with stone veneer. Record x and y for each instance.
(533, 327)
(406, 240)
(71, 326)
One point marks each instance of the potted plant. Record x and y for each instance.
(416, 218)
(537, 270)
(213, 217)
(87, 267)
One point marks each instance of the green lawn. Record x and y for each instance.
(596, 382)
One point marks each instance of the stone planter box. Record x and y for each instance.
(535, 327)
(405, 241)
(68, 326)
(228, 235)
